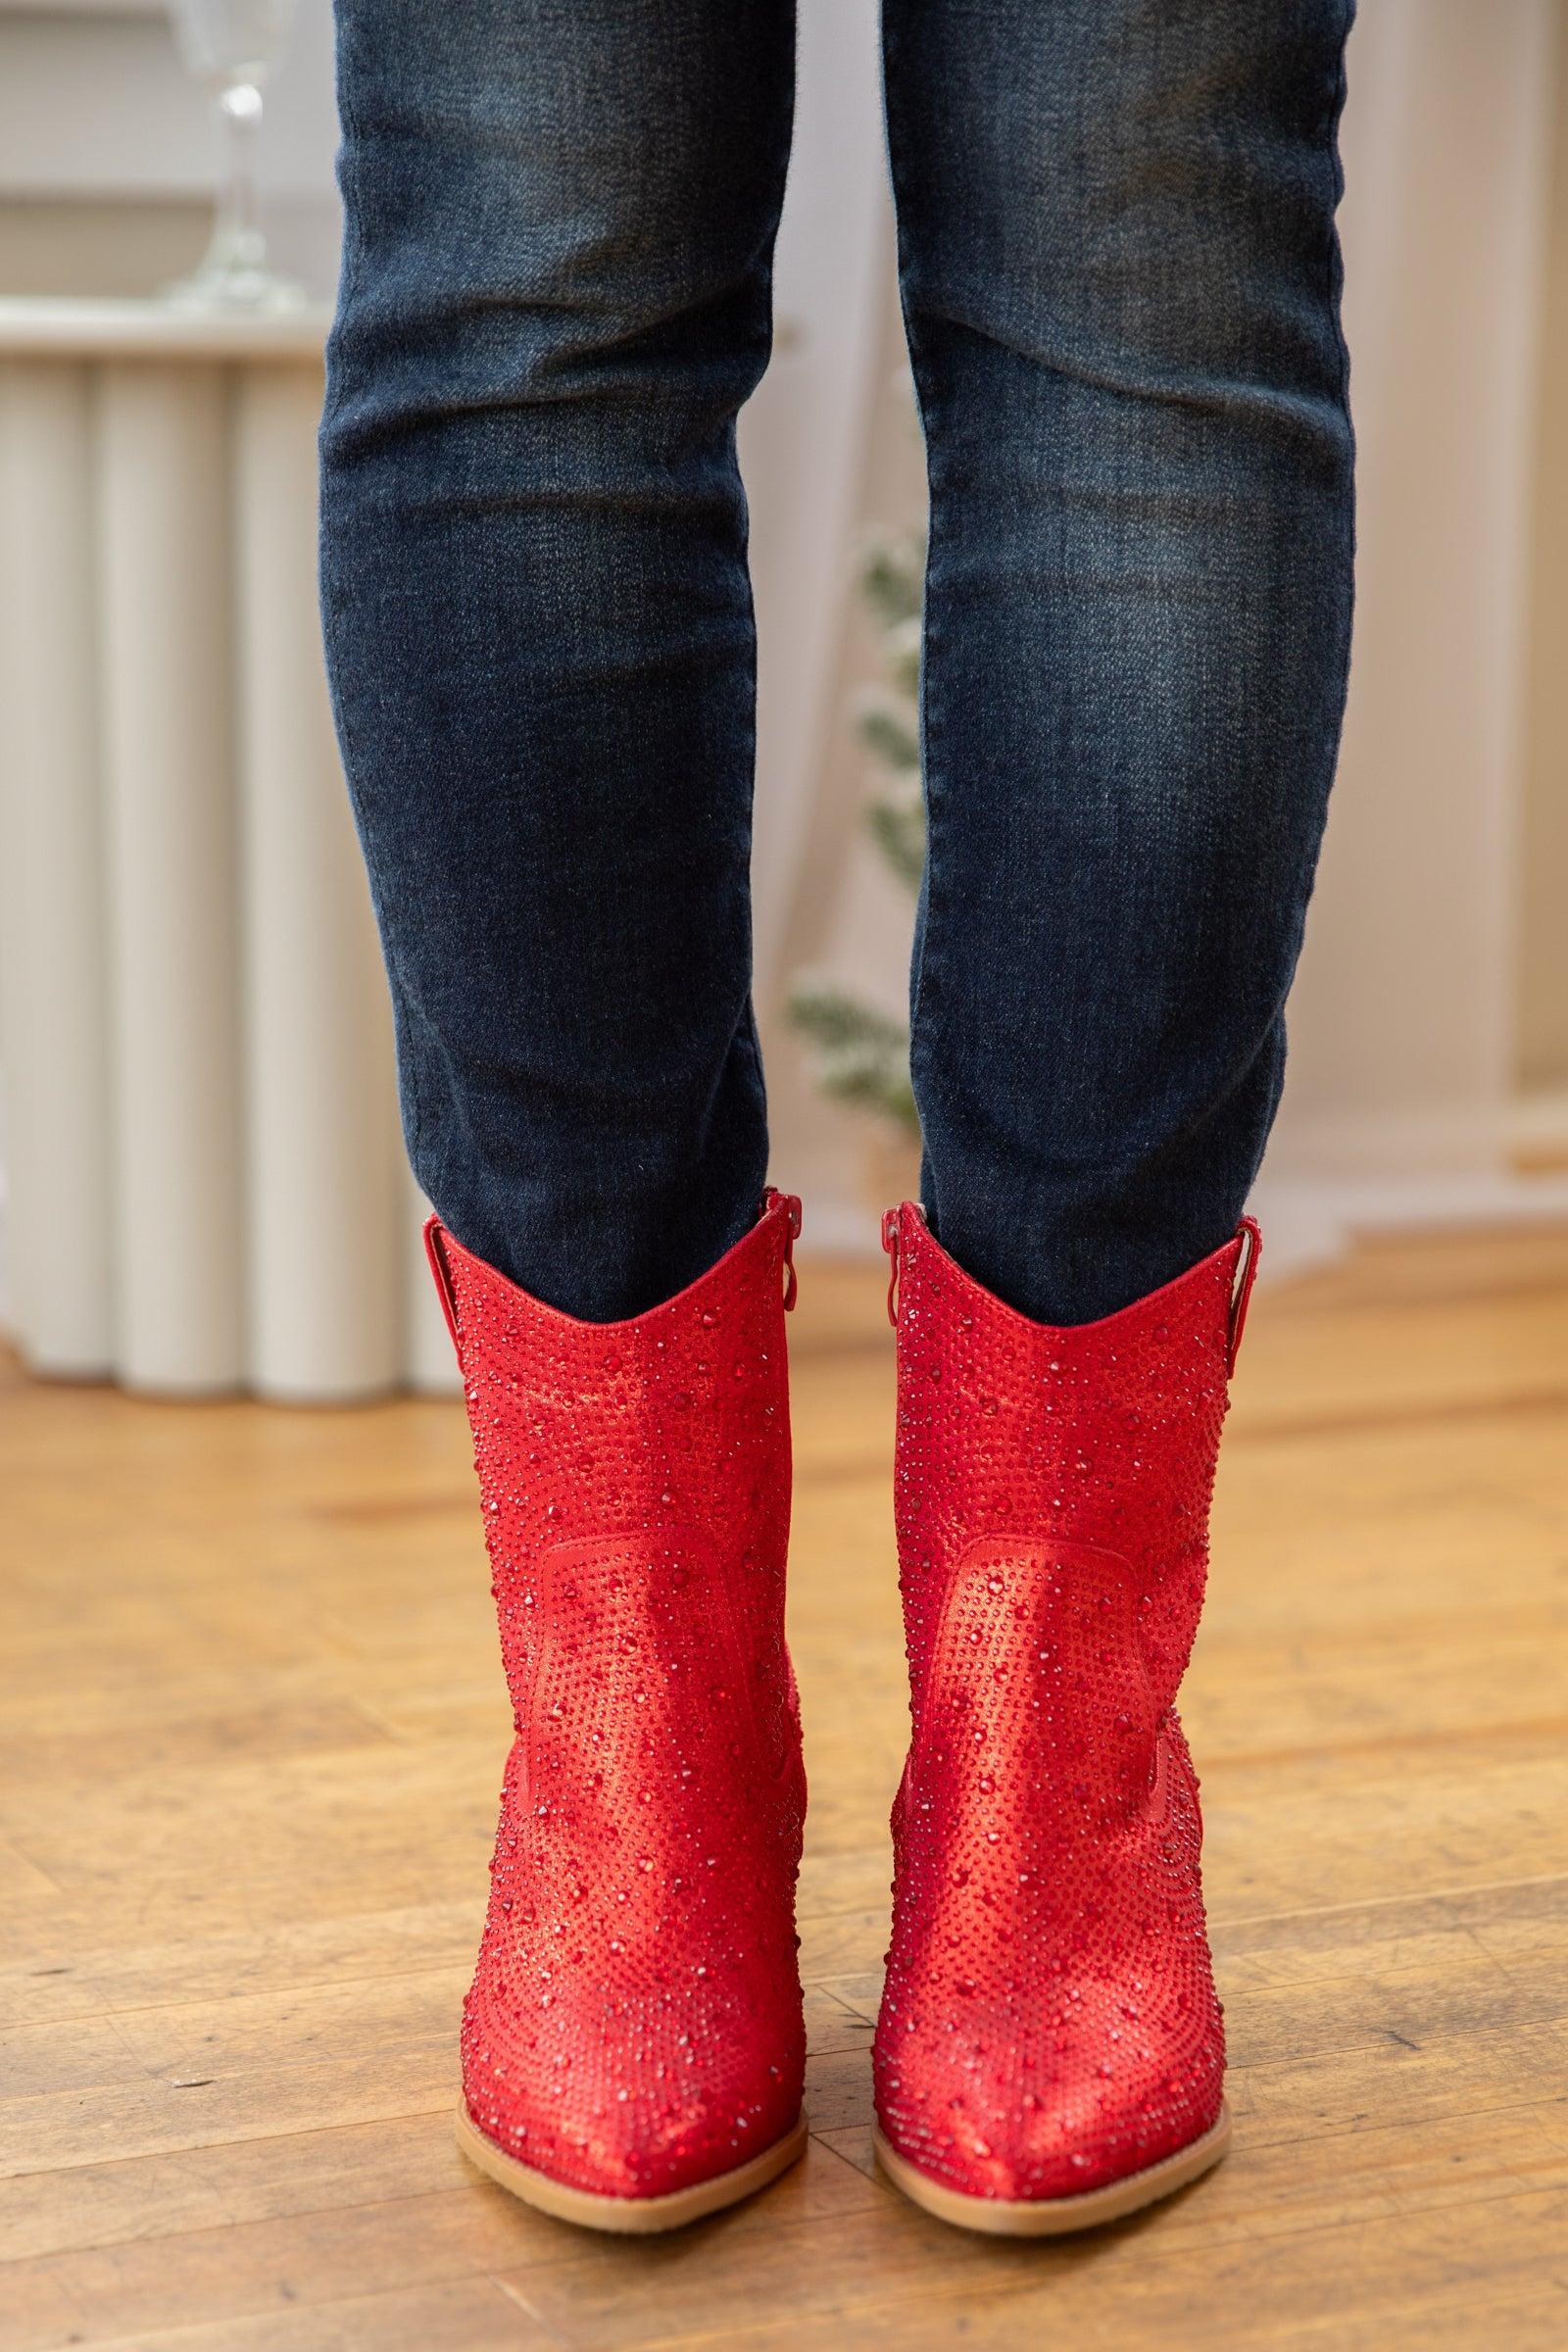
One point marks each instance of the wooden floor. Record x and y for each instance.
(252, 1736)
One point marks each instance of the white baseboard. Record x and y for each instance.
(1313, 1221)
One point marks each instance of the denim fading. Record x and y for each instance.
(1120, 279)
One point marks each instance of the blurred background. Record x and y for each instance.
(251, 1716)
(203, 1184)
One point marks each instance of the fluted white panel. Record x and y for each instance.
(52, 1044)
(168, 725)
(326, 1198)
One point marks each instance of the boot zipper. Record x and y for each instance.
(1252, 1242)
(890, 1242)
(791, 1204)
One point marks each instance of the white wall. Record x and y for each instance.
(1402, 1022)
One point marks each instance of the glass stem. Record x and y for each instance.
(236, 230)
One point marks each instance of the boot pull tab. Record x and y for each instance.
(890, 1242)
(790, 1203)
(433, 1238)
(1252, 1240)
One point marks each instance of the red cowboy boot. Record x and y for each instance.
(1050, 2052)
(632, 2045)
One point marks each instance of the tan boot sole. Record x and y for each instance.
(630, 2216)
(1054, 2217)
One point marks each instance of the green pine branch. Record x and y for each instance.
(896, 822)
(893, 576)
(886, 728)
(860, 1055)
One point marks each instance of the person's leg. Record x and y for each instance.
(1120, 278)
(555, 297)
(1117, 221)
(560, 216)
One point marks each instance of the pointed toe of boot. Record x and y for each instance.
(650, 2175)
(1038, 2134)
(632, 2099)
(630, 2155)
(1070, 2171)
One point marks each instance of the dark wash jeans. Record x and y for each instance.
(1120, 278)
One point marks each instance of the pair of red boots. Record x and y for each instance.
(1050, 2052)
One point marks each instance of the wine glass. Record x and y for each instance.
(230, 47)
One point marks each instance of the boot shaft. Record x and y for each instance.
(634, 1476)
(1101, 1436)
